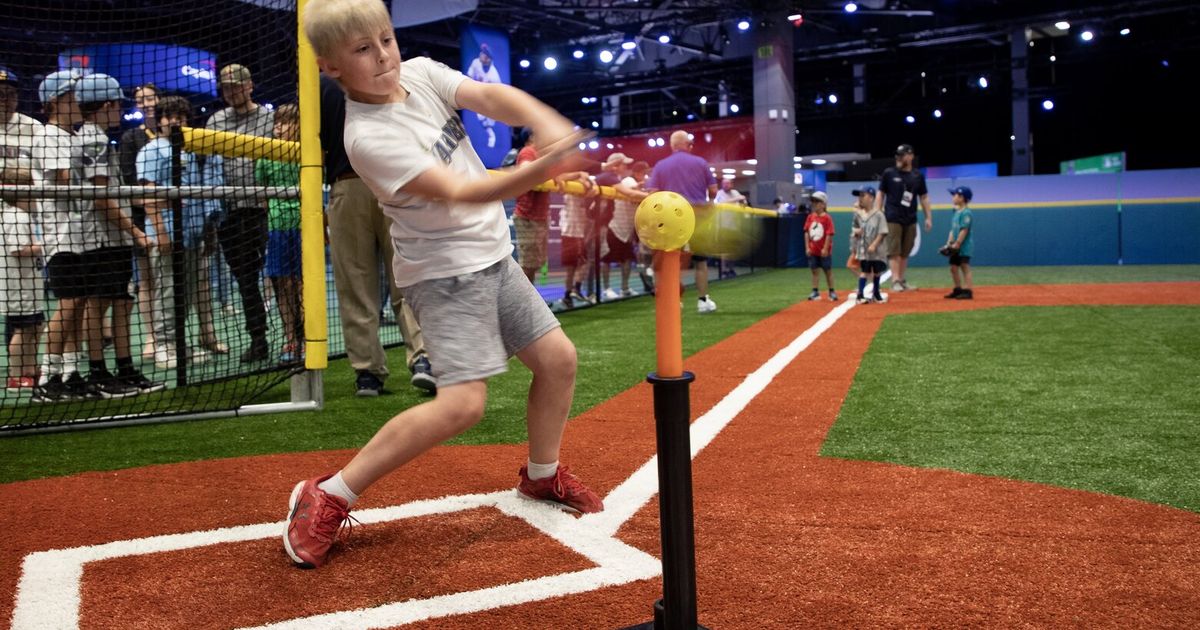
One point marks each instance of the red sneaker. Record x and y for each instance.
(314, 519)
(563, 489)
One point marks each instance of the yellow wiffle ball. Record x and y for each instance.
(665, 221)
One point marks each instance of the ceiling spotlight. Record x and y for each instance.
(796, 17)
(729, 171)
(1053, 58)
(593, 145)
(606, 56)
(851, 7)
(582, 146)
(703, 100)
(659, 142)
(595, 125)
(752, 162)
(744, 25)
(550, 63)
(735, 109)
(1013, 138)
(628, 44)
(820, 100)
(650, 142)
(1125, 32)
(983, 82)
(664, 39)
(578, 54)
(833, 99)
(1062, 26)
(584, 100)
(819, 161)
(609, 145)
(910, 119)
(524, 63)
(1087, 36)
(748, 173)
(1047, 104)
(937, 113)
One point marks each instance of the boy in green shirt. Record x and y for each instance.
(960, 244)
(283, 236)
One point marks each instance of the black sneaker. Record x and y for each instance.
(953, 293)
(258, 351)
(51, 392)
(110, 386)
(143, 384)
(367, 384)
(965, 294)
(79, 389)
(422, 376)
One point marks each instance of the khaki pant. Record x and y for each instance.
(358, 242)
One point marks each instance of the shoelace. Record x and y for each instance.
(330, 512)
(566, 484)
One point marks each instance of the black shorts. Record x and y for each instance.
(66, 275)
(957, 260)
(872, 266)
(820, 262)
(22, 321)
(110, 270)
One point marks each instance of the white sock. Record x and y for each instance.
(541, 471)
(52, 365)
(70, 362)
(336, 486)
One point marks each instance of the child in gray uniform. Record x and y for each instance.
(872, 254)
(404, 138)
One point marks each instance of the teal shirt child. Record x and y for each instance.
(282, 214)
(963, 220)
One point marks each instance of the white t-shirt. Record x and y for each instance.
(20, 276)
(573, 220)
(17, 137)
(733, 196)
(60, 220)
(92, 157)
(623, 212)
(390, 145)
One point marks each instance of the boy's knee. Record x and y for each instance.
(562, 360)
(465, 411)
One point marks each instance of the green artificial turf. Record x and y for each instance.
(1095, 398)
(614, 343)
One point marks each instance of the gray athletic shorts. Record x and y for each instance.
(473, 323)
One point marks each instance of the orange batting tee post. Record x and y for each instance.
(665, 221)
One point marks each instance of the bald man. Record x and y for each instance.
(688, 175)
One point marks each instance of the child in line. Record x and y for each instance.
(404, 137)
(107, 238)
(283, 236)
(863, 199)
(960, 244)
(818, 236)
(872, 254)
(20, 280)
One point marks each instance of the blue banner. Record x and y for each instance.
(485, 58)
(171, 68)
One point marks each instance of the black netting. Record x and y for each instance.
(208, 316)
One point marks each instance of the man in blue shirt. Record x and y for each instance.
(688, 175)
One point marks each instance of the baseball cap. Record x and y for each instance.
(234, 73)
(8, 76)
(613, 158)
(904, 149)
(962, 190)
(820, 196)
(98, 88)
(56, 84)
(865, 189)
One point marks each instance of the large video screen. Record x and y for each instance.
(172, 68)
(485, 58)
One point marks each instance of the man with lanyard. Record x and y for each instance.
(243, 228)
(900, 187)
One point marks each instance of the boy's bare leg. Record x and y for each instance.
(829, 278)
(955, 275)
(122, 310)
(416, 430)
(626, 266)
(968, 283)
(552, 360)
(816, 281)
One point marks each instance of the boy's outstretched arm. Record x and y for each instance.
(439, 182)
(515, 108)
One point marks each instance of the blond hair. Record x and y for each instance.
(328, 23)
